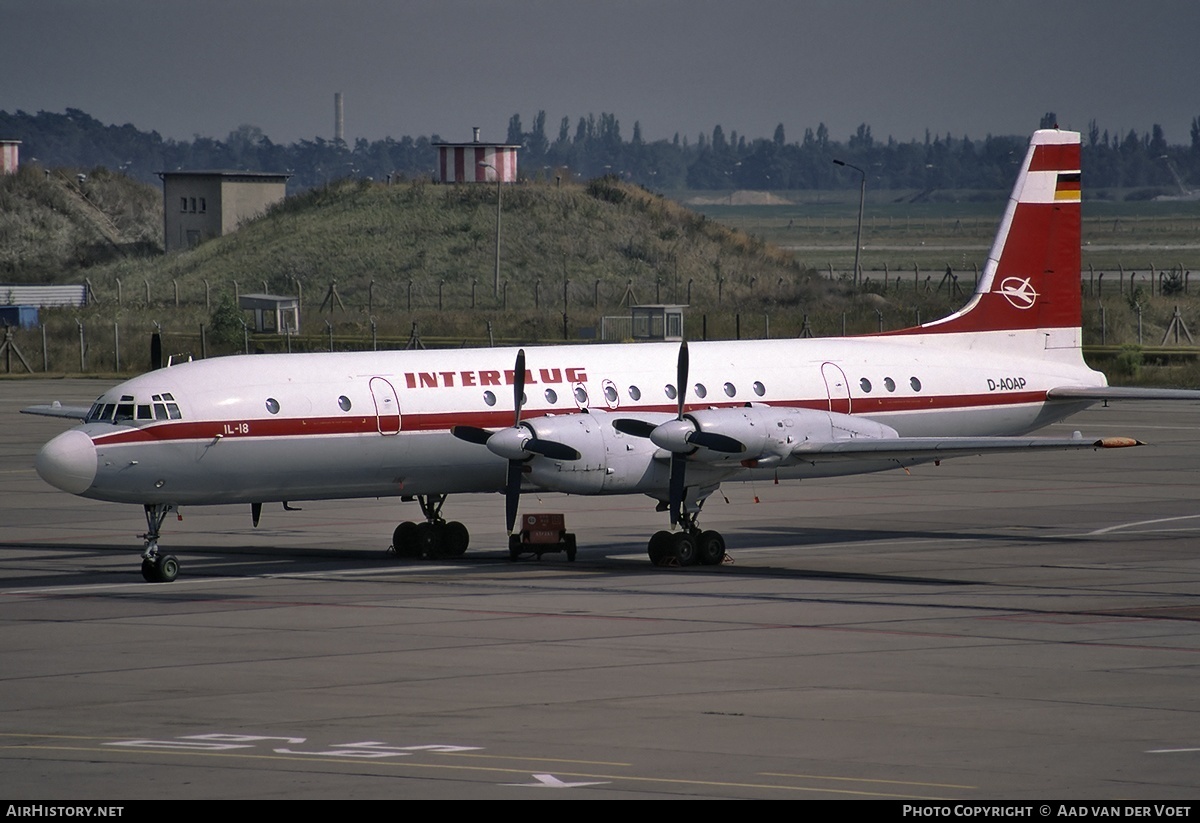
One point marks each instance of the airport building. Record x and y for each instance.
(199, 205)
(476, 162)
(10, 156)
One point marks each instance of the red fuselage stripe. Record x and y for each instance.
(442, 421)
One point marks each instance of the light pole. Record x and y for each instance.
(862, 196)
(496, 277)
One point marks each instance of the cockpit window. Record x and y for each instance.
(160, 407)
(167, 401)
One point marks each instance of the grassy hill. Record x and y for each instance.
(52, 224)
(356, 232)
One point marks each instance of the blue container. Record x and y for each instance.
(24, 316)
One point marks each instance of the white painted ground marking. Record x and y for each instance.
(1135, 523)
(549, 781)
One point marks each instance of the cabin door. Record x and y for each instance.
(387, 406)
(837, 388)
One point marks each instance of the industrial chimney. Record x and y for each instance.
(339, 122)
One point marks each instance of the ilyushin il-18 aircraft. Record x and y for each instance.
(669, 421)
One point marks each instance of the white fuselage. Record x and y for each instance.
(292, 427)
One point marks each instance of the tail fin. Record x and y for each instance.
(1031, 278)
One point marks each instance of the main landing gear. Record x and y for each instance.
(689, 547)
(157, 568)
(435, 537)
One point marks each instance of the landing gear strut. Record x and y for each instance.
(688, 547)
(157, 568)
(433, 538)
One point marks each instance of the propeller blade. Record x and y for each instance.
(518, 386)
(678, 484)
(678, 487)
(681, 377)
(551, 449)
(716, 442)
(512, 494)
(471, 434)
(636, 428)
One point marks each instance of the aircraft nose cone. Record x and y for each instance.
(68, 462)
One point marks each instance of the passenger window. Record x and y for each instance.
(915, 383)
(635, 393)
(700, 390)
(581, 395)
(610, 393)
(272, 405)
(551, 396)
(759, 388)
(344, 403)
(730, 389)
(670, 390)
(489, 398)
(889, 384)
(865, 385)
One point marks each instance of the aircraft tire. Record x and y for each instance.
(710, 548)
(570, 548)
(514, 547)
(404, 540)
(430, 539)
(167, 567)
(149, 573)
(661, 548)
(685, 548)
(455, 539)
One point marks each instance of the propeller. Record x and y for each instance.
(517, 444)
(680, 437)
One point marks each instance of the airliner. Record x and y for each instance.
(672, 422)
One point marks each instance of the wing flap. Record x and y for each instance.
(1120, 393)
(939, 448)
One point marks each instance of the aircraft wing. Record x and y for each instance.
(919, 449)
(57, 409)
(1120, 393)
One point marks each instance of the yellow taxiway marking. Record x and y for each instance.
(666, 781)
(867, 780)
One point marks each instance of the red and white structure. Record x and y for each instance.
(477, 162)
(9, 156)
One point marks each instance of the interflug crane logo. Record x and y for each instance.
(1018, 292)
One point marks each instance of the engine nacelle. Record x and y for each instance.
(769, 433)
(610, 462)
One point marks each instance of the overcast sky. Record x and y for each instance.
(204, 67)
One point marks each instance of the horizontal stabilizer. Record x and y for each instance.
(1120, 393)
(57, 409)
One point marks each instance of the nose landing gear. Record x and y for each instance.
(157, 567)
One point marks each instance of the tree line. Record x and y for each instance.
(594, 146)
